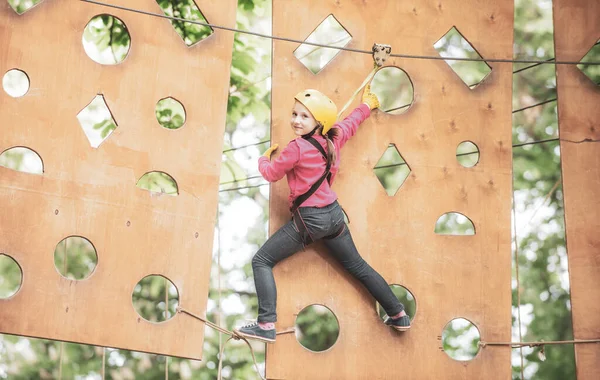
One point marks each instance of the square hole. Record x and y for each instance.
(454, 45)
(329, 32)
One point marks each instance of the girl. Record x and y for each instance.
(310, 163)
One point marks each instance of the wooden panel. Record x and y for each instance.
(92, 192)
(450, 276)
(576, 30)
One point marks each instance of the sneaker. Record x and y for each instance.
(253, 331)
(400, 324)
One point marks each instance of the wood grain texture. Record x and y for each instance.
(92, 192)
(576, 30)
(450, 276)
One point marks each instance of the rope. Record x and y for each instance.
(364, 83)
(233, 335)
(537, 344)
(370, 52)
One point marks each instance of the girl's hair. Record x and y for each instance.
(329, 136)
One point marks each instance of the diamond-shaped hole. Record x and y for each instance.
(190, 33)
(170, 113)
(96, 121)
(158, 183)
(22, 6)
(106, 40)
(454, 45)
(592, 71)
(391, 170)
(23, 160)
(454, 223)
(329, 32)
(394, 89)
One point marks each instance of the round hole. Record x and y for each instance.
(394, 90)
(460, 339)
(106, 40)
(75, 258)
(11, 276)
(405, 297)
(317, 328)
(170, 113)
(16, 83)
(467, 154)
(22, 159)
(155, 298)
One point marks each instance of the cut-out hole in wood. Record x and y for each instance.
(170, 113)
(454, 45)
(16, 83)
(394, 89)
(106, 40)
(467, 154)
(329, 32)
(155, 298)
(317, 328)
(22, 6)
(11, 276)
(405, 297)
(159, 183)
(454, 223)
(22, 159)
(460, 339)
(190, 33)
(591, 71)
(97, 121)
(75, 258)
(391, 170)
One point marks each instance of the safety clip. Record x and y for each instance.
(381, 52)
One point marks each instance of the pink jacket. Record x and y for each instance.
(303, 164)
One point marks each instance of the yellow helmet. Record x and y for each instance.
(320, 106)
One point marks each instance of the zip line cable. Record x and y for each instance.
(370, 52)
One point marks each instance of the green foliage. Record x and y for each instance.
(454, 45)
(454, 223)
(106, 40)
(460, 339)
(186, 9)
(22, 159)
(158, 182)
(10, 276)
(22, 6)
(170, 113)
(75, 257)
(391, 170)
(155, 298)
(317, 328)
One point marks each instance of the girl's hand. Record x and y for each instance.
(369, 98)
(270, 151)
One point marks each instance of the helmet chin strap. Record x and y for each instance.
(311, 133)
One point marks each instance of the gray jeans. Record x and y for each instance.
(325, 223)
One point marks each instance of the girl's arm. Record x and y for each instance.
(349, 125)
(274, 170)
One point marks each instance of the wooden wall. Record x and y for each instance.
(92, 192)
(450, 276)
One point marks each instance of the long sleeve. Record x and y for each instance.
(274, 170)
(349, 125)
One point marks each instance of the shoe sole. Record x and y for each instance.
(255, 337)
(401, 328)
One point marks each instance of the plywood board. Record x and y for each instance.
(92, 192)
(450, 276)
(576, 30)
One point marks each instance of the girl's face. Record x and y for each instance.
(302, 121)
